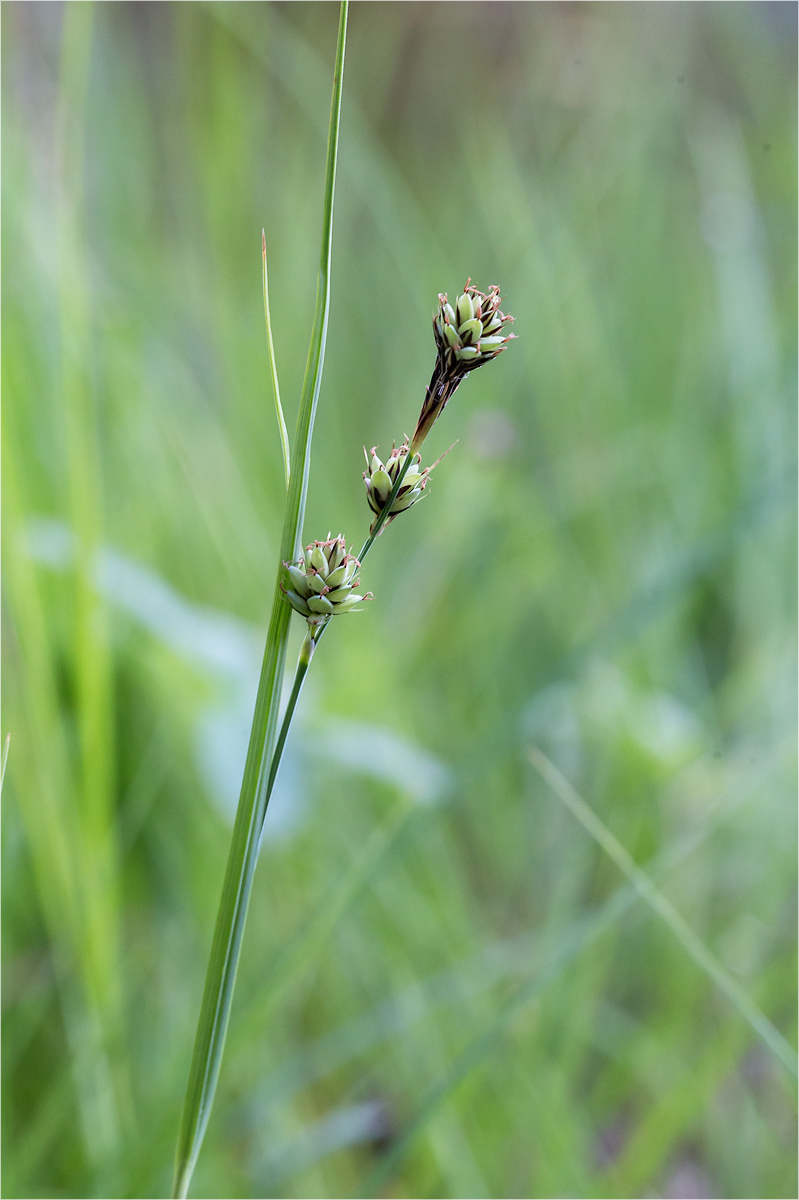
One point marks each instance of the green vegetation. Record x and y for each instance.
(269, 731)
(454, 981)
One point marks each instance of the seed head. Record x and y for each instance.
(321, 584)
(467, 335)
(380, 478)
(471, 333)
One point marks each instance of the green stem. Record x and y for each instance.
(311, 641)
(303, 663)
(233, 908)
(261, 765)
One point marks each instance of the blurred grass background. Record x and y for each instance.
(447, 988)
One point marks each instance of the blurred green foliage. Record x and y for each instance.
(447, 989)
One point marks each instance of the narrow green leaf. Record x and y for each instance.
(258, 777)
(4, 760)
(281, 423)
(691, 942)
(548, 960)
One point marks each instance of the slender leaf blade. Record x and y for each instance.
(660, 904)
(226, 948)
(281, 421)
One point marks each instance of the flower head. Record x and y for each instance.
(471, 333)
(322, 582)
(468, 335)
(380, 478)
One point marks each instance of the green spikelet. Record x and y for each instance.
(380, 478)
(472, 332)
(468, 335)
(322, 584)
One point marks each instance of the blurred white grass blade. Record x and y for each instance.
(382, 754)
(771, 1037)
(207, 639)
(558, 716)
(202, 635)
(350, 1125)
(220, 746)
(284, 437)
(227, 650)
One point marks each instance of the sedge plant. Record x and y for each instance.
(320, 583)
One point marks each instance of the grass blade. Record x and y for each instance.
(553, 960)
(6, 745)
(255, 790)
(769, 1035)
(549, 958)
(281, 422)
